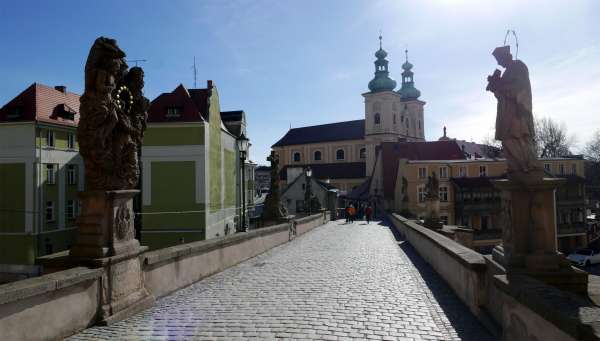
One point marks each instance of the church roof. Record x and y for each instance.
(341, 170)
(348, 130)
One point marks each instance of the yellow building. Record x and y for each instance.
(468, 197)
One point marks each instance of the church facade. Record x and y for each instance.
(346, 154)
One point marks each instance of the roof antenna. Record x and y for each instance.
(136, 61)
(195, 72)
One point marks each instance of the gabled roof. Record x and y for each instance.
(342, 170)
(392, 152)
(193, 104)
(42, 103)
(348, 130)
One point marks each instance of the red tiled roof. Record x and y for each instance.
(44, 104)
(193, 104)
(392, 152)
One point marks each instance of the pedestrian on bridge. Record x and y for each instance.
(368, 213)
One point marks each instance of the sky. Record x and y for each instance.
(307, 62)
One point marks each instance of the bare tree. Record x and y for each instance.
(592, 148)
(551, 138)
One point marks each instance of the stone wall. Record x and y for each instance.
(51, 306)
(62, 303)
(521, 308)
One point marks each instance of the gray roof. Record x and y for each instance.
(348, 130)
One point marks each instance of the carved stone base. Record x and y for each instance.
(433, 223)
(529, 235)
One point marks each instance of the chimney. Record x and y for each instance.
(209, 84)
(61, 88)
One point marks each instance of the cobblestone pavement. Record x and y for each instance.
(337, 282)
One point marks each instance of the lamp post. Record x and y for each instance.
(307, 196)
(242, 144)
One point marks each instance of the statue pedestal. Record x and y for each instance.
(106, 239)
(432, 220)
(529, 234)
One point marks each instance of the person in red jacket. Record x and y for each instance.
(368, 213)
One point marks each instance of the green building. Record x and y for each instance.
(40, 174)
(191, 170)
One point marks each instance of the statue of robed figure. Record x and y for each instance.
(514, 119)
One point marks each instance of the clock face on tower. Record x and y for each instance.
(124, 99)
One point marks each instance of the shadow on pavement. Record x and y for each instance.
(458, 314)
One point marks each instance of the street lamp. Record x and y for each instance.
(242, 144)
(308, 172)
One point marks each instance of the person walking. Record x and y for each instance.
(368, 213)
(352, 213)
(347, 210)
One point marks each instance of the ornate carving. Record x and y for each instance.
(514, 118)
(273, 207)
(123, 222)
(113, 118)
(432, 189)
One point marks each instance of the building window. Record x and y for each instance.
(50, 174)
(443, 172)
(362, 153)
(574, 169)
(547, 167)
(422, 172)
(444, 219)
(421, 193)
(462, 171)
(296, 157)
(71, 141)
(299, 205)
(49, 138)
(561, 169)
(401, 118)
(49, 211)
(482, 171)
(394, 118)
(173, 112)
(70, 211)
(485, 222)
(377, 118)
(317, 155)
(71, 175)
(444, 194)
(419, 124)
(339, 154)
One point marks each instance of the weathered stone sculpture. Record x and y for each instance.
(113, 115)
(432, 196)
(111, 128)
(528, 200)
(273, 211)
(514, 119)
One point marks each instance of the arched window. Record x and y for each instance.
(363, 153)
(296, 157)
(377, 118)
(339, 154)
(318, 155)
(394, 118)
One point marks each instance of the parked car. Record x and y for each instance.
(584, 257)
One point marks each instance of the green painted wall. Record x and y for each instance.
(214, 150)
(21, 249)
(60, 136)
(174, 136)
(159, 240)
(173, 190)
(12, 197)
(229, 170)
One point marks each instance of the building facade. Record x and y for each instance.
(468, 197)
(191, 168)
(41, 173)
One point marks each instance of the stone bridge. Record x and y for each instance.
(341, 281)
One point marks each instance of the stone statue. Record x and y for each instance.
(113, 118)
(432, 188)
(273, 208)
(514, 119)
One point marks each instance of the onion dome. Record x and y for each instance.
(382, 80)
(408, 91)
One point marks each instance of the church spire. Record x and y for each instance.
(382, 80)
(408, 91)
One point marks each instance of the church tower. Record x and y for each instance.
(412, 107)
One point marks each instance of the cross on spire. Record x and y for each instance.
(406, 54)
(380, 38)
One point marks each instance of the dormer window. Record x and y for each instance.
(15, 113)
(377, 118)
(173, 112)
